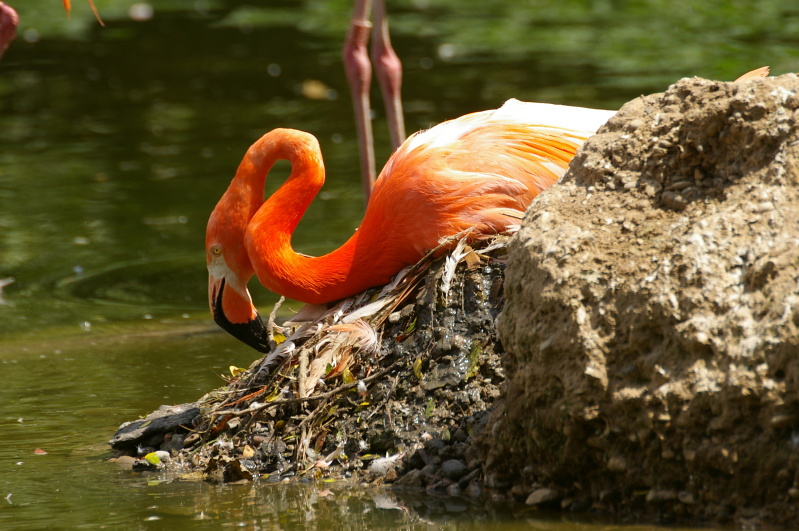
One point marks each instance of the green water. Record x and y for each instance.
(116, 142)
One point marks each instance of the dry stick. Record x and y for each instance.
(313, 413)
(307, 431)
(301, 445)
(329, 394)
(270, 324)
(302, 372)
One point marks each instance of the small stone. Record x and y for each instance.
(793, 492)
(686, 497)
(125, 461)
(172, 442)
(632, 125)
(543, 496)
(454, 489)
(617, 464)
(412, 479)
(673, 200)
(453, 469)
(474, 490)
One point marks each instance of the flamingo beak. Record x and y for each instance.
(240, 320)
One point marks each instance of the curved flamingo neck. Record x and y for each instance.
(268, 233)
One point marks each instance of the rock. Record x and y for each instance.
(473, 490)
(453, 469)
(159, 422)
(173, 442)
(125, 462)
(542, 496)
(653, 305)
(453, 489)
(413, 479)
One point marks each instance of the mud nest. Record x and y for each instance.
(390, 385)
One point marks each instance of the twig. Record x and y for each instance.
(302, 372)
(286, 401)
(270, 324)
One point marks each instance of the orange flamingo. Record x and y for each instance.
(477, 172)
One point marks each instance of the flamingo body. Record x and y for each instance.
(477, 172)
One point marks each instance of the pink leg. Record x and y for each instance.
(8, 26)
(359, 75)
(389, 73)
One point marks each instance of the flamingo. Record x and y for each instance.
(476, 173)
(9, 20)
(388, 70)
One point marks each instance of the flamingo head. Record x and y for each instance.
(229, 269)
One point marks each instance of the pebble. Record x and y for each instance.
(542, 496)
(474, 490)
(453, 469)
(412, 479)
(454, 489)
(125, 461)
(617, 464)
(173, 441)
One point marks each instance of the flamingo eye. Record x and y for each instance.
(216, 250)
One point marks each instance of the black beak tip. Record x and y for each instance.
(252, 333)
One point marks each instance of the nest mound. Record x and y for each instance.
(388, 385)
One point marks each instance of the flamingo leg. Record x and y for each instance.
(359, 76)
(388, 69)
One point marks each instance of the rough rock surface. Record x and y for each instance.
(652, 317)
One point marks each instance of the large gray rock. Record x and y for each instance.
(652, 318)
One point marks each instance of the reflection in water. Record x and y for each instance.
(117, 143)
